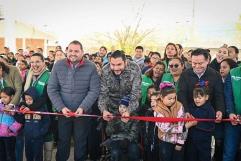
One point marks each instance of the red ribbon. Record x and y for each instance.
(140, 118)
(170, 119)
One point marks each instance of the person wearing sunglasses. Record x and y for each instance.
(176, 67)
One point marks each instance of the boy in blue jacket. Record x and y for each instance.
(199, 137)
(36, 126)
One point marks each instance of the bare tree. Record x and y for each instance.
(131, 36)
(238, 30)
(128, 36)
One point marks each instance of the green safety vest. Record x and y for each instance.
(41, 81)
(236, 85)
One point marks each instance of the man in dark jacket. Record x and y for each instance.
(201, 72)
(73, 87)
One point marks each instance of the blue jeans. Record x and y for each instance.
(132, 151)
(34, 149)
(219, 141)
(231, 141)
(167, 152)
(19, 147)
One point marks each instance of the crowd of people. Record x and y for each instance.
(115, 85)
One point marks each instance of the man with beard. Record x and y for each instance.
(73, 88)
(102, 54)
(121, 78)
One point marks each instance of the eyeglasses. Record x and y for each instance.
(174, 65)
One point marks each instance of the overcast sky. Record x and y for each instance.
(71, 19)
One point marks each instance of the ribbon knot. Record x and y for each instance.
(71, 114)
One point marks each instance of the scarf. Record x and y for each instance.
(30, 75)
(167, 112)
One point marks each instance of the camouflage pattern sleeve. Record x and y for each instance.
(103, 97)
(136, 90)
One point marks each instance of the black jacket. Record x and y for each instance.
(35, 125)
(202, 130)
(189, 79)
(215, 65)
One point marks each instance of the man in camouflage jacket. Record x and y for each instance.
(121, 78)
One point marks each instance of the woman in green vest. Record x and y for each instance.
(176, 66)
(170, 52)
(153, 76)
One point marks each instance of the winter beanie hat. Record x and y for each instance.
(125, 101)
